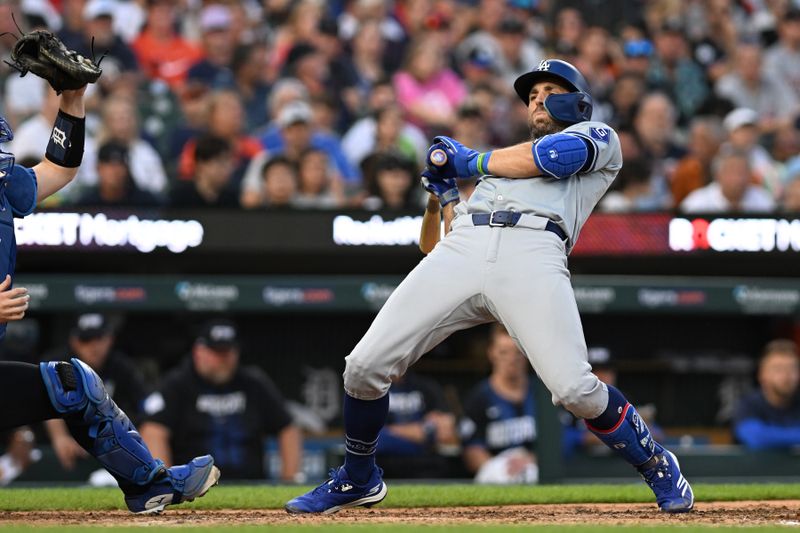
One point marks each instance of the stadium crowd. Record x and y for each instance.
(309, 104)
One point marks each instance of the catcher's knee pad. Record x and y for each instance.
(74, 388)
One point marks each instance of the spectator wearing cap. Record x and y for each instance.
(212, 184)
(427, 90)
(218, 43)
(732, 189)
(744, 135)
(98, 36)
(748, 85)
(518, 52)
(115, 186)
(162, 52)
(91, 339)
(782, 60)
(479, 67)
(636, 56)
(504, 48)
(213, 403)
(672, 70)
(292, 132)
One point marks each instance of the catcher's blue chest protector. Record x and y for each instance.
(17, 199)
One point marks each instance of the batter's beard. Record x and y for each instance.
(540, 130)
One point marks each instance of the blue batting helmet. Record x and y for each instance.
(571, 108)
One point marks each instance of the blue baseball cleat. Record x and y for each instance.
(178, 484)
(672, 490)
(340, 492)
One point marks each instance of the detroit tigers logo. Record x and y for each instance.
(59, 137)
(544, 65)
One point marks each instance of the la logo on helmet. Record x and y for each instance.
(544, 65)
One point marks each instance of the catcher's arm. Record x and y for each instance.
(52, 177)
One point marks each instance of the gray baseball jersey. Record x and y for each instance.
(567, 202)
(516, 275)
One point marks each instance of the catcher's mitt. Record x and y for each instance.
(45, 55)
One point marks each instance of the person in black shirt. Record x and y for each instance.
(91, 340)
(115, 185)
(499, 428)
(212, 402)
(769, 418)
(211, 185)
(418, 427)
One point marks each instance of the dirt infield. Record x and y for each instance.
(721, 513)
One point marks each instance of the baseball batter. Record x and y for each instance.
(506, 260)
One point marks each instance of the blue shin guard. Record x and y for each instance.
(75, 389)
(631, 439)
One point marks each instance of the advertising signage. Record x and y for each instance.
(342, 233)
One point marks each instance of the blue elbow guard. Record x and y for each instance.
(76, 388)
(21, 190)
(560, 155)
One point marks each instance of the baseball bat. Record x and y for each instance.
(438, 157)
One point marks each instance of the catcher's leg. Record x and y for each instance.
(77, 393)
(22, 384)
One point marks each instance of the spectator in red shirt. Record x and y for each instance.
(162, 53)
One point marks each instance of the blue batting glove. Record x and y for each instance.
(444, 188)
(439, 162)
(466, 161)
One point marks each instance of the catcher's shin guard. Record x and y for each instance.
(75, 389)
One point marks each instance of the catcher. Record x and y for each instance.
(72, 390)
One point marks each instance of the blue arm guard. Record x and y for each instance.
(561, 155)
(758, 435)
(76, 388)
(21, 190)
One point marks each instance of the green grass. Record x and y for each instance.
(400, 495)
